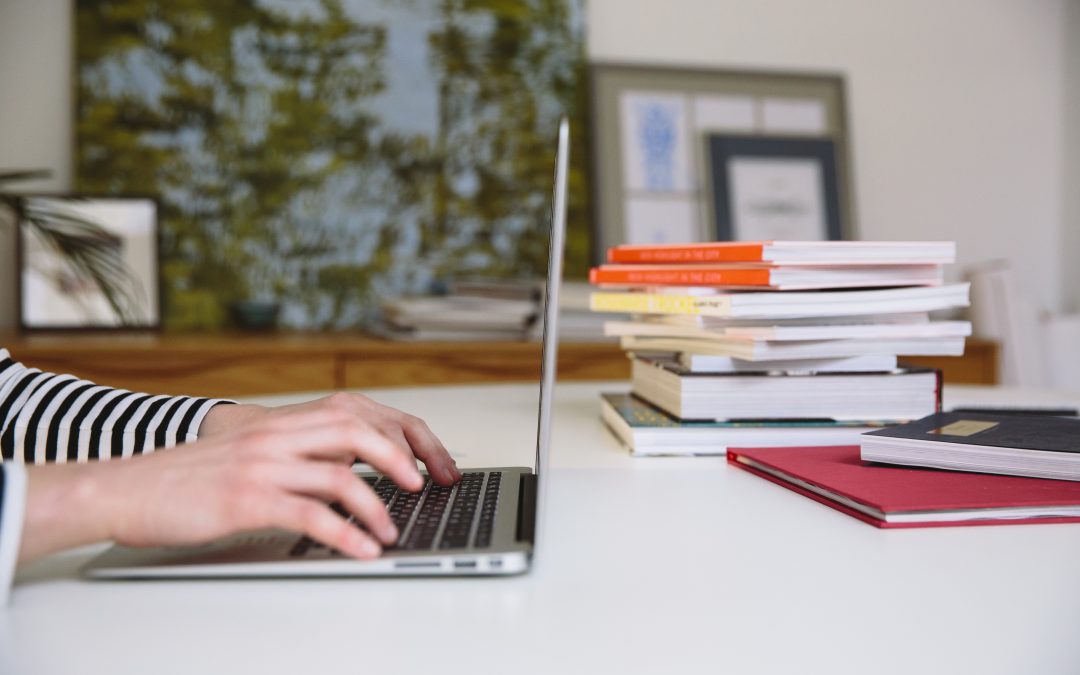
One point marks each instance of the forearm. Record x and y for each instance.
(223, 418)
(67, 505)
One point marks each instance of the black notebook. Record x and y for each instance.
(1039, 447)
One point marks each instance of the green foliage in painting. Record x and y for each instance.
(326, 153)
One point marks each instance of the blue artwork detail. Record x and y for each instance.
(657, 128)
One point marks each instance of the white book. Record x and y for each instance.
(899, 395)
(791, 333)
(648, 431)
(764, 350)
(721, 322)
(868, 363)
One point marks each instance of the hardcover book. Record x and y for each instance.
(1018, 445)
(889, 497)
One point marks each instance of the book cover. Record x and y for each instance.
(770, 304)
(1019, 445)
(893, 497)
(1017, 432)
(648, 431)
(765, 276)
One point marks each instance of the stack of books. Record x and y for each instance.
(738, 343)
(473, 310)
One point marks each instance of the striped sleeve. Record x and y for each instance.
(59, 418)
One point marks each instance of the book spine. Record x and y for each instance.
(686, 254)
(647, 303)
(757, 278)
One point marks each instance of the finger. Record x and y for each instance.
(337, 483)
(318, 521)
(430, 450)
(343, 439)
(410, 433)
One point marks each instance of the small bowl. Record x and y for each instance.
(255, 314)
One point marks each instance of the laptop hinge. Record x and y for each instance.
(526, 523)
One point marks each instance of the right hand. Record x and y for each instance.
(278, 474)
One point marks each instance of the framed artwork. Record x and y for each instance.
(365, 147)
(650, 160)
(88, 263)
(773, 188)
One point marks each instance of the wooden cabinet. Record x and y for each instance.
(242, 365)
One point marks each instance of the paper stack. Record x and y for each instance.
(793, 334)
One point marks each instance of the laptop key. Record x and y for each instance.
(462, 513)
(486, 525)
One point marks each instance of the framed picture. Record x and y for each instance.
(650, 163)
(774, 188)
(88, 263)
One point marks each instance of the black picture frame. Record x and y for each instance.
(722, 149)
(146, 280)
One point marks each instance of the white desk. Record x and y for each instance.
(650, 566)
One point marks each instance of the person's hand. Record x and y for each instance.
(408, 433)
(279, 473)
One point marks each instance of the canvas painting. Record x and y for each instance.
(325, 154)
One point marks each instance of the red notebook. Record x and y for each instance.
(889, 496)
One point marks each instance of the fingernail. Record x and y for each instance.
(390, 533)
(370, 548)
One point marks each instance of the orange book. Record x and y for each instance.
(766, 276)
(789, 252)
(681, 275)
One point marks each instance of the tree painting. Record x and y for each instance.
(327, 153)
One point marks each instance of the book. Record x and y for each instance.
(898, 396)
(1017, 445)
(893, 497)
(870, 363)
(647, 431)
(772, 305)
(757, 276)
(935, 329)
(801, 252)
(765, 350)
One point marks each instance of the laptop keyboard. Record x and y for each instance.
(434, 518)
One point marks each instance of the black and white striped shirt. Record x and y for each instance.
(46, 417)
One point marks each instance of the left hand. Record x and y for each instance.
(408, 433)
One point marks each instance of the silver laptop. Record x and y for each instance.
(487, 524)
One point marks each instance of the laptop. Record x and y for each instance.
(487, 524)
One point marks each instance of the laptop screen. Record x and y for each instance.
(551, 316)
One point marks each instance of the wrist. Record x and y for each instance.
(66, 506)
(224, 417)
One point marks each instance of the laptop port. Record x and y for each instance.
(465, 564)
(404, 565)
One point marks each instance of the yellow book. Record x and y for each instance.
(784, 304)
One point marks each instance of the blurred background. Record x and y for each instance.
(426, 153)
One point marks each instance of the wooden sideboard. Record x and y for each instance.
(250, 364)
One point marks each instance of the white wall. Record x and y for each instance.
(957, 109)
(1070, 251)
(35, 108)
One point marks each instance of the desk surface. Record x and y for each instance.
(656, 565)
